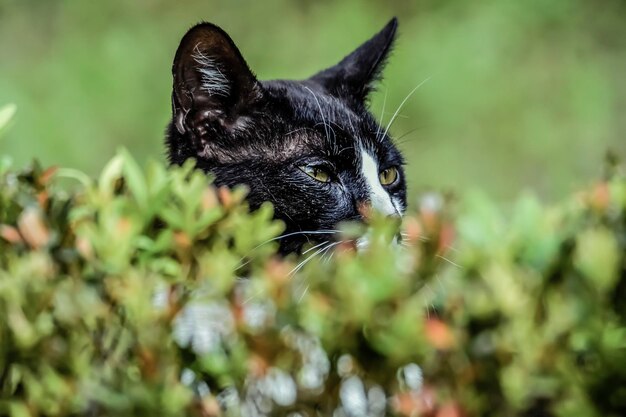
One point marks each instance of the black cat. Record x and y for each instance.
(310, 147)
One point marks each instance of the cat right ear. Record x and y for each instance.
(212, 82)
(355, 76)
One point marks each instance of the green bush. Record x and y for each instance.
(147, 292)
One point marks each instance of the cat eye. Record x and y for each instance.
(388, 176)
(316, 172)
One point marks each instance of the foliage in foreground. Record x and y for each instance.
(150, 293)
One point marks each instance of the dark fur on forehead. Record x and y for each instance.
(259, 133)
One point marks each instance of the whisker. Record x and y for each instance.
(449, 261)
(303, 294)
(301, 264)
(453, 249)
(252, 297)
(345, 149)
(332, 253)
(440, 283)
(429, 305)
(314, 247)
(393, 118)
(351, 125)
(420, 238)
(327, 250)
(407, 133)
(328, 254)
(329, 126)
(319, 106)
(294, 270)
(324, 251)
(298, 130)
(302, 232)
(382, 112)
(330, 257)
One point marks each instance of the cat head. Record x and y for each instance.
(309, 147)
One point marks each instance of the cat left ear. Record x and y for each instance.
(212, 82)
(356, 75)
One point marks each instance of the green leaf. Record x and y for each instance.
(111, 172)
(134, 178)
(7, 113)
(597, 257)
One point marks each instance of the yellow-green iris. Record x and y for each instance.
(388, 176)
(316, 173)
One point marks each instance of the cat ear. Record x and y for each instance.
(212, 81)
(356, 75)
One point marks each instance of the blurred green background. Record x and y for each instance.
(523, 94)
